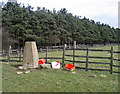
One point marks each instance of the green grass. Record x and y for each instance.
(51, 80)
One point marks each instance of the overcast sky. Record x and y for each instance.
(105, 11)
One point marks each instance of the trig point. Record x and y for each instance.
(30, 58)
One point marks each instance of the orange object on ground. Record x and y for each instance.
(57, 50)
(41, 61)
(69, 67)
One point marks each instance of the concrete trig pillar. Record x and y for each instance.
(30, 58)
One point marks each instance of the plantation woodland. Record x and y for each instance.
(51, 27)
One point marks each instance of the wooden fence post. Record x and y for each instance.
(20, 55)
(63, 60)
(3, 53)
(111, 62)
(87, 60)
(9, 53)
(74, 47)
(46, 53)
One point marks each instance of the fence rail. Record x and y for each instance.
(52, 57)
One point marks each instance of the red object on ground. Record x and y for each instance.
(41, 61)
(69, 67)
(56, 50)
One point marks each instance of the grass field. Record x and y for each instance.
(51, 80)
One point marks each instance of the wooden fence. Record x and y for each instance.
(111, 58)
(63, 57)
(12, 55)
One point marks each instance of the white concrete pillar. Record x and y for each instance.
(30, 57)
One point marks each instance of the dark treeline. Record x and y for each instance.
(52, 27)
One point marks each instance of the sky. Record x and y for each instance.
(104, 11)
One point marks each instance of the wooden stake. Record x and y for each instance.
(74, 47)
(46, 53)
(87, 59)
(111, 62)
(63, 60)
(9, 52)
(20, 55)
